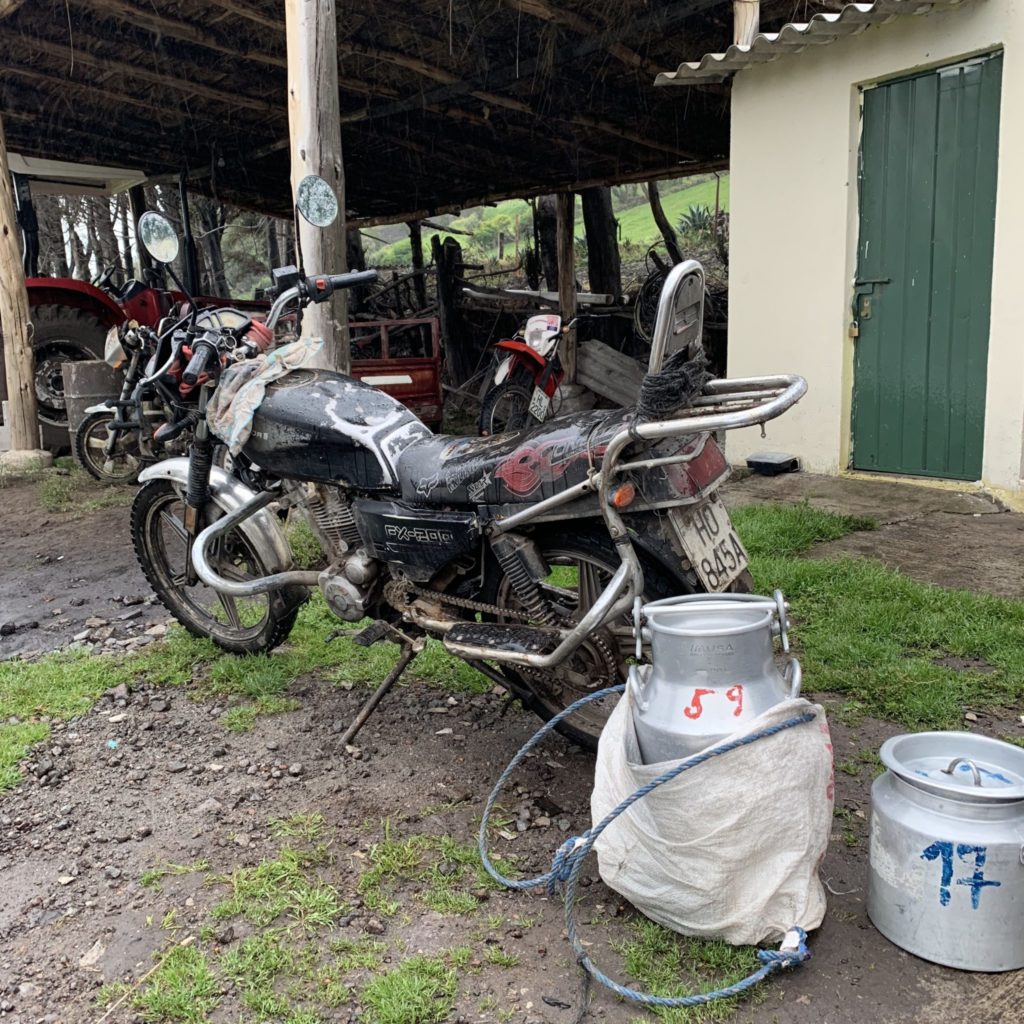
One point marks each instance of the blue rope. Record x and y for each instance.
(569, 858)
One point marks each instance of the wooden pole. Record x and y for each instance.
(416, 244)
(667, 232)
(314, 125)
(565, 211)
(19, 366)
(603, 267)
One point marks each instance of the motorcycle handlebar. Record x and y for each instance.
(320, 287)
(201, 356)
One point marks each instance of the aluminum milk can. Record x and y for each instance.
(946, 879)
(712, 670)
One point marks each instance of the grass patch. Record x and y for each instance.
(183, 989)
(243, 717)
(497, 957)
(876, 635)
(358, 954)
(785, 530)
(154, 876)
(282, 887)
(307, 825)
(444, 867)
(421, 990)
(306, 549)
(666, 964)
(76, 491)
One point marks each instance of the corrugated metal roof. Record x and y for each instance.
(792, 38)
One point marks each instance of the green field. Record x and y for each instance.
(636, 223)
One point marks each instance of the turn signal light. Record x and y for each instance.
(623, 496)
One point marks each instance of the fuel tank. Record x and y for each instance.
(326, 427)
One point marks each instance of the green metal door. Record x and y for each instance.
(924, 271)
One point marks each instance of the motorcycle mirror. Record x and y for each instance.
(316, 201)
(158, 236)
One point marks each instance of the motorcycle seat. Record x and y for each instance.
(522, 467)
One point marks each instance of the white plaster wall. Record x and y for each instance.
(795, 136)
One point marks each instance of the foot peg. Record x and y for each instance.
(373, 633)
(493, 639)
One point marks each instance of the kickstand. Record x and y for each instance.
(410, 648)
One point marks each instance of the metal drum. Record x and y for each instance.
(946, 876)
(712, 670)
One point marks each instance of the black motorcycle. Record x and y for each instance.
(524, 553)
(153, 417)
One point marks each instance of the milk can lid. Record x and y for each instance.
(961, 765)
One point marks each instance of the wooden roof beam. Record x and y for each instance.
(246, 12)
(84, 58)
(147, 18)
(543, 11)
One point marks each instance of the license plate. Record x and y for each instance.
(539, 404)
(711, 543)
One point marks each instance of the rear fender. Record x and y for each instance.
(60, 291)
(261, 529)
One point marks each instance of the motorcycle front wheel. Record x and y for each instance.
(90, 449)
(252, 625)
(506, 408)
(582, 561)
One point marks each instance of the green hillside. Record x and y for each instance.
(636, 223)
(637, 226)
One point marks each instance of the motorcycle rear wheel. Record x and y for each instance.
(243, 626)
(583, 559)
(90, 450)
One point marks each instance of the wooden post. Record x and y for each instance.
(603, 267)
(419, 281)
(565, 210)
(314, 125)
(19, 365)
(544, 226)
(448, 261)
(675, 254)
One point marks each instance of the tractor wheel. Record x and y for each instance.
(60, 334)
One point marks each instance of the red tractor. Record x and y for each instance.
(70, 318)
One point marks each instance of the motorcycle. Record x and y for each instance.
(526, 379)
(153, 417)
(524, 553)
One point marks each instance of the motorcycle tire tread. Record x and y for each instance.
(283, 608)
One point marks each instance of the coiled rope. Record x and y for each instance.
(568, 861)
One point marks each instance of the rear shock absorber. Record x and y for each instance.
(525, 567)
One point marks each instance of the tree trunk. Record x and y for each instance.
(273, 249)
(14, 320)
(602, 242)
(546, 228)
(314, 125)
(212, 219)
(126, 238)
(137, 201)
(671, 243)
(566, 214)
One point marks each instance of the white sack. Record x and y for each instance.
(729, 849)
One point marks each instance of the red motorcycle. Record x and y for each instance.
(527, 378)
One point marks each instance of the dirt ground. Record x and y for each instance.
(153, 777)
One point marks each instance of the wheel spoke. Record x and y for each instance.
(228, 604)
(175, 524)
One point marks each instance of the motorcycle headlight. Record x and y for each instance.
(113, 351)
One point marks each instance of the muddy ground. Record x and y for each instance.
(154, 778)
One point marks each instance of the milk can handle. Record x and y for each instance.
(948, 770)
(794, 676)
(635, 685)
(781, 608)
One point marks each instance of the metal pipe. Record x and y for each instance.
(665, 322)
(238, 588)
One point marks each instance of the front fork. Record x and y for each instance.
(197, 492)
